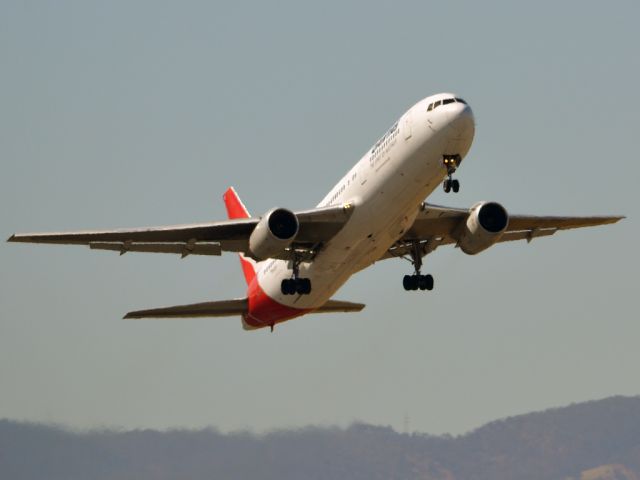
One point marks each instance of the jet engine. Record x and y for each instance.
(486, 223)
(275, 231)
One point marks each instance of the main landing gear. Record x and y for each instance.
(451, 162)
(295, 284)
(417, 281)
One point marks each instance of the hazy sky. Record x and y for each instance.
(124, 114)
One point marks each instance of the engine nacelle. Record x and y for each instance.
(275, 231)
(486, 223)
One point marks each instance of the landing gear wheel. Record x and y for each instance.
(303, 286)
(291, 286)
(451, 184)
(425, 282)
(417, 282)
(411, 282)
(428, 279)
(288, 286)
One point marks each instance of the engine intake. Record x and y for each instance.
(283, 224)
(275, 231)
(485, 225)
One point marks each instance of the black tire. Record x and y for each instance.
(428, 282)
(406, 282)
(285, 286)
(446, 186)
(303, 286)
(422, 282)
(455, 186)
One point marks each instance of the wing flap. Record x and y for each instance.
(223, 308)
(528, 235)
(181, 248)
(530, 222)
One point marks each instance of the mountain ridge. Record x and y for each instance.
(595, 440)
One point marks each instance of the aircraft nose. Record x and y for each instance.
(462, 121)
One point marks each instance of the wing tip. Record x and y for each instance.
(21, 238)
(612, 219)
(136, 315)
(24, 238)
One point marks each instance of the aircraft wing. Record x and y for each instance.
(316, 227)
(436, 226)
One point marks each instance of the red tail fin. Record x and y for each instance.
(236, 209)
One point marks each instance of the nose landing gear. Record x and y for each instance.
(451, 162)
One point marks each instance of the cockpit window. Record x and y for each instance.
(446, 101)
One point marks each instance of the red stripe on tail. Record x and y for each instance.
(236, 209)
(248, 269)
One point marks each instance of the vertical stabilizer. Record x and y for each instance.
(236, 209)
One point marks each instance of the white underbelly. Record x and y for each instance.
(374, 226)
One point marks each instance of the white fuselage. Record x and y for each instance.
(385, 189)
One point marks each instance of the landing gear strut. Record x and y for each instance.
(451, 162)
(295, 284)
(417, 280)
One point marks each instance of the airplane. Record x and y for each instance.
(294, 261)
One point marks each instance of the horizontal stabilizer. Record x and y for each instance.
(223, 308)
(339, 306)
